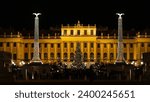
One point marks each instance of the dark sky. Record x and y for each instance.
(18, 13)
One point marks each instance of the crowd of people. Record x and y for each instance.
(59, 71)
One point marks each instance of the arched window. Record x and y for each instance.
(111, 56)
(52, 56)
(85, 57)
(105, 56)
(26, 57)
(71, 56)
(65, 56)
(98, 57)
(125, 56)
(91, 56)
(45, 56)
(31, 55)
(58, 56)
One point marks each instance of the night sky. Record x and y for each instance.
(18, 13)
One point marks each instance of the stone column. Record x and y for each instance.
(11, 49)
(42, 51)
(108, 52)
(102, 52)
(145, 47)
(135, 51)
(128, 51)
(55, 51)
(115, 51)
(74, 47)
(82, 48)
(95, 50)
(48, 50)
(88, 52)
(68, 45)
(139, 51)
(62, 51)
(18, 51)
(22, 51)
(4, 44)
(29, 51)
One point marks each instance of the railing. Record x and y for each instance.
(10, 36)
(115, 37)
(58, 37)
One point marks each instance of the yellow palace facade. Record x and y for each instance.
(102, 48)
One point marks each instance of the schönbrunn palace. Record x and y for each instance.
(101, 48)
